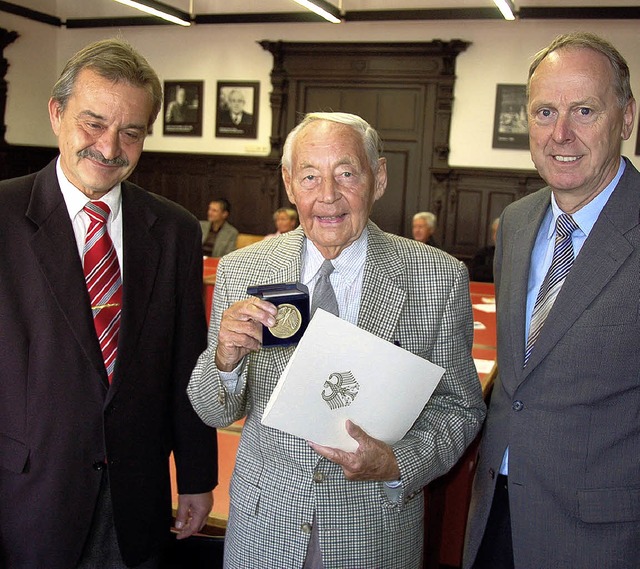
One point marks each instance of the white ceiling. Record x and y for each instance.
(73, 9)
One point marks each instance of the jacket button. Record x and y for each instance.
(318, 477)
(306, 528)
(517, 405)
(98, 465)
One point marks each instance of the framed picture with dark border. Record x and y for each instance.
(237, 109)
(510, 128)
(182, 112)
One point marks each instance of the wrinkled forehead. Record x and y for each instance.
(328, 140)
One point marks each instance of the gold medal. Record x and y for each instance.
(288, 321)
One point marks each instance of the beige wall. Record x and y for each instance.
(500, 52)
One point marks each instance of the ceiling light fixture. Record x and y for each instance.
(160, 10)
(323, 8)
(507, 8)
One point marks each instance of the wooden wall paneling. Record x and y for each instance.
(472, 198)
(389, 212)
(250, 184)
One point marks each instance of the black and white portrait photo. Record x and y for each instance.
(237, 109)
(183, 108)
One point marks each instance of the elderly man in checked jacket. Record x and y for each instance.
(296, 504)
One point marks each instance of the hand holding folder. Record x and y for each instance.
(338, 372)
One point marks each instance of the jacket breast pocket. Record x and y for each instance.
(609, 505)
(13, 455)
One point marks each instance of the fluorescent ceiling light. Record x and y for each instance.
(160, 10)
(325, 9)
(507, 8)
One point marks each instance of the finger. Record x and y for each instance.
(354, 431)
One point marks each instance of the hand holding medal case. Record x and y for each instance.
(292, 301)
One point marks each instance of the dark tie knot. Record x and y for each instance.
(565, 225)
(97, 211)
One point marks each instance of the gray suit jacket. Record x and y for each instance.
(571, 419)
(415, 295)
(225, 240)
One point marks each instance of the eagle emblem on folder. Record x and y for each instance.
(340, 389)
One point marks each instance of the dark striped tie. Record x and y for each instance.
(554, 279)
(102, 275)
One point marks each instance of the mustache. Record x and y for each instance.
(98, 157)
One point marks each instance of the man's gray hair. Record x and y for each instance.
(115, 60)
(428, 217)
(370, 138)
(586, 40)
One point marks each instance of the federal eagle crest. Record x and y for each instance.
(340, 389)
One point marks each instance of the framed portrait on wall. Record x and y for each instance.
(182, 112)
(237, 109)
(510, 129)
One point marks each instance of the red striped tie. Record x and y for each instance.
(102, 274)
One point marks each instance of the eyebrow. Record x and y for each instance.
(92, 115)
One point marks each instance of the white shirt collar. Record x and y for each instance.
(75, 200)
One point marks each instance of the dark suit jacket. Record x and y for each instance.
(59, 419)
(225, 119)
(571, 418)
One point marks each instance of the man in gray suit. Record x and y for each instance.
(558, 479)
(218, 235)
(295, 504)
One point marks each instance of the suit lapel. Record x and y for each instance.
(380, 288)
(520, 247)
(53, 245)
(141, 257)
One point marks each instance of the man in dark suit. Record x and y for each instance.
(558, 478)
(84, 450)
(235, 113)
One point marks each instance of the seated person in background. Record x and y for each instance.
(481, 266)
(218, 235)
(286, 219)
(423, 228)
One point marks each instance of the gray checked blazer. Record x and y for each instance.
(412, 294)
(571, 418)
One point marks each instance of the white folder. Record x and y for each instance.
(338, 372)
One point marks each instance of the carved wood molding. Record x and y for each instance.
(6, 38)
(416, 62)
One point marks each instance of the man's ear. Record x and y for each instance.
(55, 115)
(381, 179)
(286, 178)
(628, 119)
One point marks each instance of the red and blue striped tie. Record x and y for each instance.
(102, 274)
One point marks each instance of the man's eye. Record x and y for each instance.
(132, 136)
(585, 112)
(545, 112)
(309, 178)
